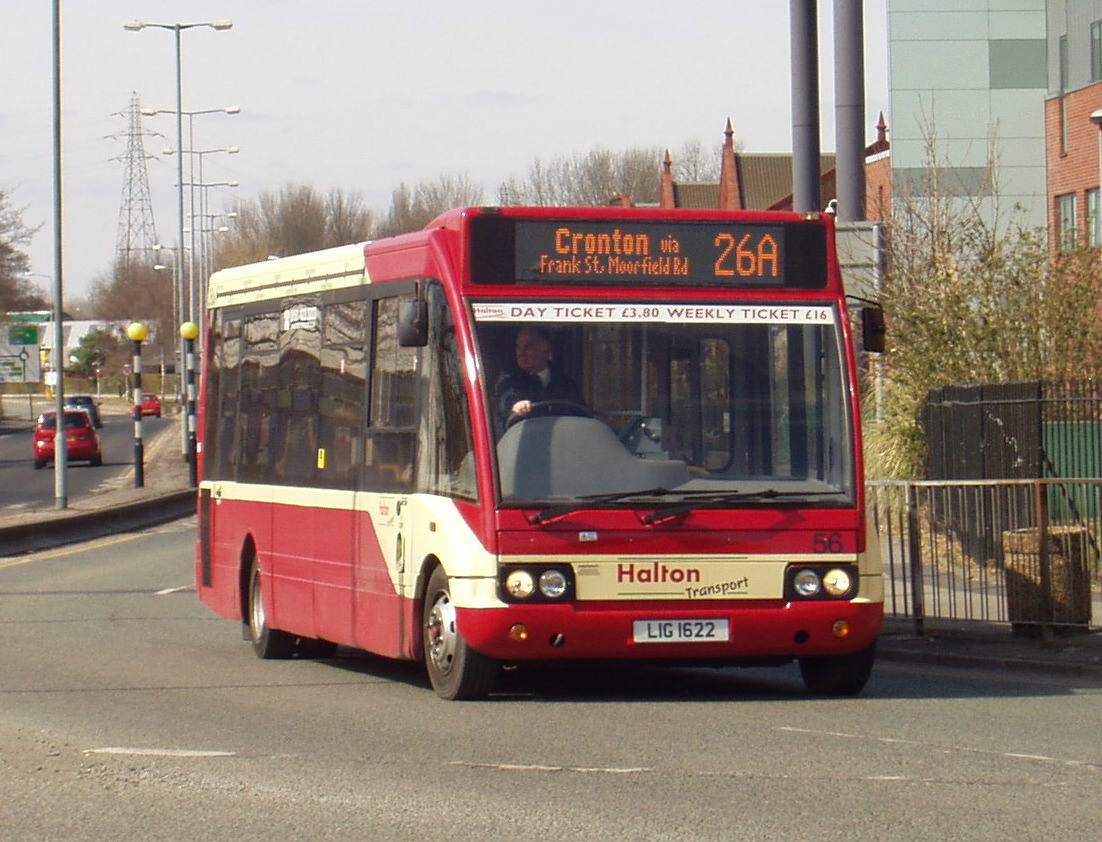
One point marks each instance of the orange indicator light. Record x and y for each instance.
(840, 628)
(519, 633)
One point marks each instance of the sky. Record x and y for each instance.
(363, 95)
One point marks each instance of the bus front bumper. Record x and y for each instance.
(747, 630)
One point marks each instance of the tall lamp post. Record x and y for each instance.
(199, 310)
(189, 279)
(196, 277)
(61, 492)
(177, 29)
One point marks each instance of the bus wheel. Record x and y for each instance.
(838, 675)
(455, 670)
(267, 642)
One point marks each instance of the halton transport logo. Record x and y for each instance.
(656, 573)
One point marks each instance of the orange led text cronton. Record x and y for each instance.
(568, 241)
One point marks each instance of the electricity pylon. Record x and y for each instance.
(137, 232)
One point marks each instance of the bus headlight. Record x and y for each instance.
(519, 584)
(553, 583)
(821, 581)
(536, 583)
(837, 582)
(806, 582)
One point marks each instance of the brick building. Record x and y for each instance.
(763, 180)
(1071, 139)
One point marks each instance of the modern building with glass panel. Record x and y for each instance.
(968, 80)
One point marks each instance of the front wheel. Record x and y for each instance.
(455, 669)
(838, 675)
(267, 642)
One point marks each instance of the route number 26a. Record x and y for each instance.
(828, 542)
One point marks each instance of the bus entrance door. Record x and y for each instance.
(382, 548)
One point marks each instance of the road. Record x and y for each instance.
(22, 487)
(128, 711)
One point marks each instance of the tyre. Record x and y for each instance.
(838, 675)
(454, 668)
(39, 464)
(96, 460)
(267, 642)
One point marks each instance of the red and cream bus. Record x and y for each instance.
(691, 491)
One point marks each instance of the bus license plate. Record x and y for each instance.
(682, 631)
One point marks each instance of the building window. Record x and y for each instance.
(1066, 222)
(1094, 223)
(1096, 50)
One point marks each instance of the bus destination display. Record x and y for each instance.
(641, 252)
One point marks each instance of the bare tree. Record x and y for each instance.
(137, 293)
(591, 179)
(697, 162)
(414, 208)
(17, 292)
(293, 220)
(601, 176)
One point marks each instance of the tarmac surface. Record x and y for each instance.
(166, 496)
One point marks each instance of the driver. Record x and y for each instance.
(536, 380)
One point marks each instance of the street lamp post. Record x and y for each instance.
(61, 490)
(207, 231)
(197, 262)
(177, 29)
(199, 310)
(187, 281)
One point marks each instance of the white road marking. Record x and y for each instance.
(964, 750)
(536, 767)
(159, 752)
(167, 591)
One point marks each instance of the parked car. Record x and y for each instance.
(81, 439)
(88, 404)
(151, 404)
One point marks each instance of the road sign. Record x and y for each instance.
(23, 334)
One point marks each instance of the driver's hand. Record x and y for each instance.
(522, 407)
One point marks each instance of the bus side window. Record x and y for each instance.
(389, 446)
(341, 411)
(257, 422)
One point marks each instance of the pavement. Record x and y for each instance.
(165, 496)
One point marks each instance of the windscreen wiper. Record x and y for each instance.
(709, 498)
(587, 500)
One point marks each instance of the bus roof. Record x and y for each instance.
(342, 266)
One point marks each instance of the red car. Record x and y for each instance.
(151, 404)
(81, 438)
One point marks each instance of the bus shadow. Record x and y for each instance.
(620, 681)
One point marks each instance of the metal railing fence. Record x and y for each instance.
(1026, 552)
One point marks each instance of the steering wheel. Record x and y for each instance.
(629, 428)
(541, 408)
